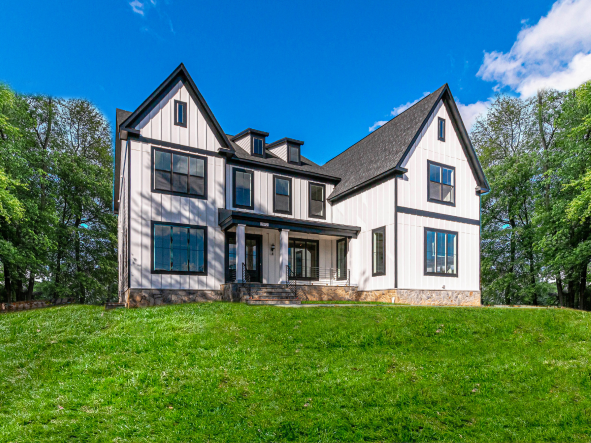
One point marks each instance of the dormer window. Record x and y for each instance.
(441, 129)
(258, 147)
(180, 113)
(293, 154)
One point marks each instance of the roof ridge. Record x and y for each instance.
(385, 124)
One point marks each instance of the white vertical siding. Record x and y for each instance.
(280, 151)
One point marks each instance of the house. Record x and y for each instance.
(204, 214)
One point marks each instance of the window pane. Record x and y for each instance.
(430, 251)
(196, 185)
(447, 192)
(451, 254)
(441, 128)
(317, 193)
(311, 269)
(341, 259)
(162, 248)
(282, 186)
(257, 146)
(294, 154)
(435, 190)
(197, 167)
(243, 187)
(435, 173)
(317, 208)
(180, 164)
(179, 183)
(282, 203)
(378, 252)
(180, 112)
(447, 176)
(180, 251)
(162, 180)
(440, 253)
(197, 250)
(162, 160)
(251, 254)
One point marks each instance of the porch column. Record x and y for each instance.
(283, 254)
(240, 251)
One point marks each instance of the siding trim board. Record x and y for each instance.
(437, 215)
(152, 141)
(297, 173)
(180, 194)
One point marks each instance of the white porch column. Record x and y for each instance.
(349, 256)
(240, 251)
(283, 255)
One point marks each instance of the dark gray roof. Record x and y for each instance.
(382, 150)
(307, 165)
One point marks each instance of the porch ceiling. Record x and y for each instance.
(228, 219)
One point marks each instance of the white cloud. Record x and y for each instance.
(554, 53)
(471, 112)
(137, 6)
(376, 125)
(400, 109)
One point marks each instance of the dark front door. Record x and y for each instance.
(253, 257)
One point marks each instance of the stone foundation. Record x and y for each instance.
(139, 298)
(23, 305)
(421, 297)
(327, 293)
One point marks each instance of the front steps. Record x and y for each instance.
(271, 295)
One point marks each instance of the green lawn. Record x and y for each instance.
(231, 372)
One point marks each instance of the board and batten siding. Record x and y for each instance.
(412, 193)
(373, 208)
(264, 192)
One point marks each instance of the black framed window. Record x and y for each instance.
(378, 251)
(441, 185)
(303, 258)
(179, 249)
(441, 129)
(258, 148)
(342, 259)
(293, 154)
(180, 113)
(317, 200)
(179, 174)
(243, 188)
(441, 253)
(282, 198)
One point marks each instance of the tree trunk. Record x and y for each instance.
(512, 262)
(81, 288)
(582, 287)
(31, 286)
(7, 283)
(559, 290)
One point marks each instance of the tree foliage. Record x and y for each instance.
(57, 230)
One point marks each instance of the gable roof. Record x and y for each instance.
(381, 153)
(180, 73)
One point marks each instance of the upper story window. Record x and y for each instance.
(317, 203)
(179, 174)
(441, 253)
(258, 147)
(293, 154)
(282, 200)
(243, 188)
(440, 129)
(180, 113)
(378, 251)
(441, 184)
(179, 249)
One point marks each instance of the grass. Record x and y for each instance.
(231, 372)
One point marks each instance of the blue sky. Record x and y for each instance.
(316, 71)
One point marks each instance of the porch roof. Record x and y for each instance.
(228, 218)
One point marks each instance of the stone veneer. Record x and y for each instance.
(138, 298)
(421, 297)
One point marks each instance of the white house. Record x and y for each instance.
(203, 213)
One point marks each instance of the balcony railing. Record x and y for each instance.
(321, 276)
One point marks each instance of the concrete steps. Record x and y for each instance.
(271, 295)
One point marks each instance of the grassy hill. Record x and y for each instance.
(230, 372)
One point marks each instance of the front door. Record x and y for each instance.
(253, 257)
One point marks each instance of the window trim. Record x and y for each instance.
(306, 240)
(383, 231)
(438, 274)
(289, 160)
(182, 225)
(281, 177)
(439, 137)
(310, 215)
(434, 200)
(250, 171)
(337, 258)
(186, 154)
(252, 139)
(176, 116)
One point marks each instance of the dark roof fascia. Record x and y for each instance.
(398, 170)
(228, 218)
(293, 171)
(285, 140)
(160, 92)
(249, 131)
